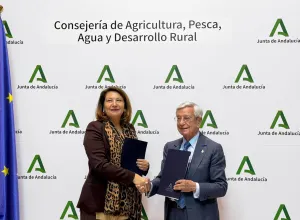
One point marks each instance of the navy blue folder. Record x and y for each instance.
(132, 150)
(175, 168)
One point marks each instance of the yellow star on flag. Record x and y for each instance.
(10, 97)
(5, 171)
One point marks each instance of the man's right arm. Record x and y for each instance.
(154, 185)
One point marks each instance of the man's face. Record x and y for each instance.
(187, 123)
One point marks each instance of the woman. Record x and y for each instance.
(109, 191)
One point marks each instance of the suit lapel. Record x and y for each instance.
(198, 155)
(178, 143)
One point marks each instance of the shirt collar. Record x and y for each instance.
(193, 141)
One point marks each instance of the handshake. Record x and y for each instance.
(142, 183)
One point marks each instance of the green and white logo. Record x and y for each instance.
(10, 39)
(244, 80)
(279, 34)
(282, 32)
(208, 114)
(69, 208)
(39, 168)
(284, 123)
(244, 71)
(174, 81)
(70, 122)
(106, 71)
(279, 127)
(139, 115)
(241, 168)
(174, 70)
(140, 122)
(7, 30)
(73, 123)
(42, 78)
(282, 213)
(105, 80)
(38, 75)
(209, 126)
(243, 171)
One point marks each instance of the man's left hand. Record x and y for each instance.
(185, 185)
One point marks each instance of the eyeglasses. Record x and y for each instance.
(185, 119)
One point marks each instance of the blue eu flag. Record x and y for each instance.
(9, 196)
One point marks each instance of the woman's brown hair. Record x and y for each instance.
(126, 116)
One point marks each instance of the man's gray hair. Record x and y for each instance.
(197, 110)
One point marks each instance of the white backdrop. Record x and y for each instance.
(206, 64)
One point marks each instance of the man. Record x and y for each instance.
(205, 179)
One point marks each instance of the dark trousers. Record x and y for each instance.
(175, 213)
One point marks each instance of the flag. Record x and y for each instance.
(9, 195)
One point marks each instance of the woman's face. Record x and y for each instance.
(114, 105)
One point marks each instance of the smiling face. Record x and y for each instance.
(114, 105)
(187, 123)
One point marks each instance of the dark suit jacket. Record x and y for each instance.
(97, 147)
(208, 169)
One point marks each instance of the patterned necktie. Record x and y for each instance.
(186, 146)
(181, 201)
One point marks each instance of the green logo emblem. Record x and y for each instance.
(174, 69)
(139, 114)
(281, 115)
(246, 70)
(110, 76)
(74, 123)
(213, 123)
(69, 205)
(41, 168)
(283, 32)
(7, 30)
(42, 78)
(281, 209)
(250, 169)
